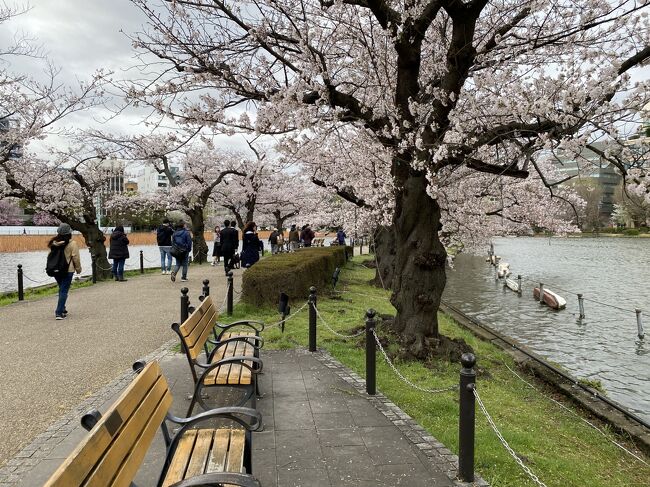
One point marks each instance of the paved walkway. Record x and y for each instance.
(47, 367)
(320, 430)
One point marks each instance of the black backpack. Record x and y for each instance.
(57, 265)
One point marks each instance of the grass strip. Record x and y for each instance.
(559, 448)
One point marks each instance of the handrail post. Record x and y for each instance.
(21, 292)
(581, 305)
(229, 298)
(466, 418)
(141, 263)
(312, 319)
(93, 266)
(371, 353)
(639, 324)
(185, 305)
(206, 287)
(519, 284)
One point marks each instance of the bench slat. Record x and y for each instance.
(125, 454)
(178, 466)
(236, 451)
(206, 326)
(217, 462)
(193, 320)
(75, 469)
(200, 453)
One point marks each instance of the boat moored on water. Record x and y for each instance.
(512, 284)
(503, 269)
(552, 300)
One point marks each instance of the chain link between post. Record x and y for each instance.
(505, 444)
(404, 379)
(332, 330)
(267, 327)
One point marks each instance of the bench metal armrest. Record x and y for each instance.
(237, 358)
(248, 323)
(230, 412)
(218, 344)
(218, 479)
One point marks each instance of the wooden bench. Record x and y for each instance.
(220, 355)
(114, 449)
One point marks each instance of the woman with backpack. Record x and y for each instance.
(181, 247)
(62, 262)
(119, 252)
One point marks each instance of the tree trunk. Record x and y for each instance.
(384, 242)
(95, 241)
(199, 247)
(419, 271)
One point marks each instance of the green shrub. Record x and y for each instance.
(632, 231)
(292, 274)
(644, 229)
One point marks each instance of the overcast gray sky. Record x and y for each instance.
(80, 37)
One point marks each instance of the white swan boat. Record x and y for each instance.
(503, 269)
(512, 284)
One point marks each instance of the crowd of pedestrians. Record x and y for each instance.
(175, 242)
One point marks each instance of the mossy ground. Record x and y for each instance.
(560, 448)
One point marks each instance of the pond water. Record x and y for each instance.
(613, 274)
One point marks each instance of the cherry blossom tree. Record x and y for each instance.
(441, 85)
(8, 210)
(202, 170)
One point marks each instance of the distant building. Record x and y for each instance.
(16, 151)
(113, 182)
(149, 180)
(604, 174)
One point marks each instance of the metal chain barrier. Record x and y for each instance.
(505, 444)
(34, 280)
(267, 327)
(575, 414)
(404, 379)
(332, 330)
(225, 300)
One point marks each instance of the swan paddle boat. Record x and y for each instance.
(512, 284)
(503, 269)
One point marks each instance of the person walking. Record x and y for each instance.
(181, 248)
(216, 250)
(62, 243)
(250, 245)
(273, 240)
(164, 238)
(307, 235)
(340, 236)
(229, 244)
(119, 252)
(294, 238)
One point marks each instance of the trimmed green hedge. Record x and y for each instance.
(291, 273)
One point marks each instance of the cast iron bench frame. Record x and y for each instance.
(195, 335)
(113, 451)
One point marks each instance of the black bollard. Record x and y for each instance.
(466, 418)
(283, 308)
(93, 267)
(206, 287)
(229, 304)
(21, 292)
(335, 277)
(312, 319)
(371, 351)
(141, 263)
(185, 304)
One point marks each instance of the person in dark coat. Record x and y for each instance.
(164, 239)
(307, 235)
(250, 245)
(229, 243)
(183, 241)
(340, 237)
(119, 252)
